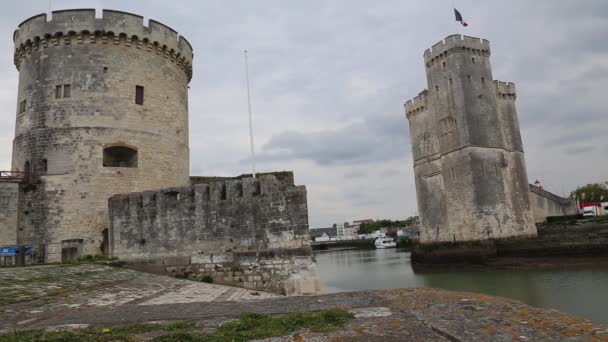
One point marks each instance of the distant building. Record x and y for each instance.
(357, 224)
(412, 232)
(323, 234)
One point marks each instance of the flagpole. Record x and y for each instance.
(250, 120)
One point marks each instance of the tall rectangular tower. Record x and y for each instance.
(471, 180)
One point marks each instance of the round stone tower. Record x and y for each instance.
(102, 109)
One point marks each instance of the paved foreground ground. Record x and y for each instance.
(83, 295)
(33, 293)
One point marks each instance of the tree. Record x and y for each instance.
(594, 192)
(371, 227)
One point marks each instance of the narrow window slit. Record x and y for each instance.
(139, 95)
(223, 194)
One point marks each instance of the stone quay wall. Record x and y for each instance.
(248, 232)
(584, 239)
(545, 204)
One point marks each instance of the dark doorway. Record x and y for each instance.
(71, 250)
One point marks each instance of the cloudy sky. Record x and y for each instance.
(330, 78)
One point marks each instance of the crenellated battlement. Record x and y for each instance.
(80, 26)
(505, 90)
(220, 190)
(416, 105)
(456, 43)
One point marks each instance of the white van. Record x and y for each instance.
(589, 211)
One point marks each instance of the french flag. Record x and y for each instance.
(459, 18)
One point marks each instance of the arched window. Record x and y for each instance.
(119, 156)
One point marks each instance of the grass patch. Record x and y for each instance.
(119, 333)
(253, 326)
(96, 258)
(249, 327)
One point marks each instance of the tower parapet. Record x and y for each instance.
(78, 26)
(505, 90)
(416, 105)
(455, 43)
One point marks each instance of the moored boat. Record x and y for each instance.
(385, 242)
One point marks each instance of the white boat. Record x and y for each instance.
(385, 242)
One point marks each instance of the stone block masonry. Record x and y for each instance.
(9, 213)
(471, 180)
(545, 204)
(102, 109)
(249, 232)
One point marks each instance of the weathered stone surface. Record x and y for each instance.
(60, 139)
(471, 180)
(43, 291)
(545, 204)
(250, 232)
(9, 213)
(395, 315)
(555, 245)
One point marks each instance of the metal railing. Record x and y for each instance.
(24, 176)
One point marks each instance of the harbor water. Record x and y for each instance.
(580, 291)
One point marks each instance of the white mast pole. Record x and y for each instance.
(250, 120)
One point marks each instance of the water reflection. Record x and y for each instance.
(579, 291)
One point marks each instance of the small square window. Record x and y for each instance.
(62, 91)
(139, 95)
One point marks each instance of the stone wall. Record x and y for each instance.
(546, 204)
(63, 136)
(9, 201)
(249, 232)
(583, 239)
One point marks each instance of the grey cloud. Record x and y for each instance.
(573, 150)
(378, 139)
(585, 133)
(355, 174)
